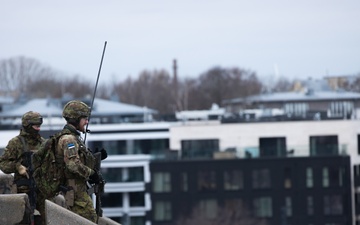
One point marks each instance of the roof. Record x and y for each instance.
(53, 107)
(298, 96)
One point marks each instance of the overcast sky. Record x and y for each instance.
(296, 39)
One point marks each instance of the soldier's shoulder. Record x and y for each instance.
(66, 138)
(15, 140)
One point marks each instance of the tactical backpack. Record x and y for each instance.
(49, 167)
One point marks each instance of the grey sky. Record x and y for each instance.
(309, 38)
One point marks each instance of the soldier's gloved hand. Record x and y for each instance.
(95, 178)
(23, 171)
(103, 154)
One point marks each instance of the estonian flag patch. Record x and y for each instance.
(71, 146)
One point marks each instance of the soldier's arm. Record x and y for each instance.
(10, 160)
(69, 146)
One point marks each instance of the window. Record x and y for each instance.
(341, 109)
(275, 146)
(151, 146)
(112, 175)
(161, 182)
(288, 206)
(137, 199)
(309, 177)
(137, 220)
(208, 208)
(296, 109)
(136, 174)
(310, 205)
(325, 177)
(324, 145)
(233, 180)
(206, 180)
(184, 182)
(333, 205)
(199, 148)
(263, 207)
(162, 211)
(287, 178)
(112, 147)
(110, 199)
(261, 179)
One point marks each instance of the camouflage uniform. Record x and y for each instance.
(79, 163)
(12, 157)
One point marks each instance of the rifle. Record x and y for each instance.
(31, 183)
(99, 187)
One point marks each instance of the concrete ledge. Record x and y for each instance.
(13, 207)
(57, 215)
(6, 184)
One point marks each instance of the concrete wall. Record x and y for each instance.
(14, 207)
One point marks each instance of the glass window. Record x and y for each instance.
(206, 180)
(112, 147)
(162, 211)
(161, 182)
(209, 208)
(309, 177)
(183, 182)
(261, 178)
(233, 180)
(263, 207)
(136, 174)
(112, 175)
(325, 177)
(341, 109)
(287, 178)
(112, 199)
(274, 146)
(288, 206)
(324, 145)
(296, 109)
(333, 205)
(310, 205)
(137, 220)
(154, 147)
(137, 199)
(334, 176)
(199, 148)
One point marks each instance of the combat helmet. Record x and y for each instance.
(75, 109)
(31, 118)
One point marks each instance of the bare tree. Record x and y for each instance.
(283, 84)
(219, 84)
(151, 89)
(16, 73)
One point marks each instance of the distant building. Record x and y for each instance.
(314, 100)
(296, 191)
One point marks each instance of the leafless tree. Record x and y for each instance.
(283, 84)
(151, 89)
(16, 73)
(219, 84)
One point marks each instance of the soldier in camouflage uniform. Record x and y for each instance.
(79, 161)
(13, 161)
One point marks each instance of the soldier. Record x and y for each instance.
(79, 161)
(17, 159)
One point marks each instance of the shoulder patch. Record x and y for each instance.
(71, 146)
